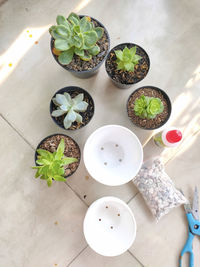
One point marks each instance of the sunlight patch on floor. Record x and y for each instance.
(10, 59)
(81, 5)
(195, 78)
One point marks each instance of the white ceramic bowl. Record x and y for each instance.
(113, 155)
(109, 226)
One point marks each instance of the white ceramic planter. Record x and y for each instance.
(113, 155)
(109, 226)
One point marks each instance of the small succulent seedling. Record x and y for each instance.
(127, 59)
(65, 104)
(51, 165)
(148, 107)
(75, 36)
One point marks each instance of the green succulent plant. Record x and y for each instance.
(148, 107)
(51, 165)
(65, 104)
(75, 36)
(127, 59)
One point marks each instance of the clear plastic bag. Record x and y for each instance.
(157, 188)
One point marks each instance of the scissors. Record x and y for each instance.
(193, 227)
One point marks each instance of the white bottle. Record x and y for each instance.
(170, 137)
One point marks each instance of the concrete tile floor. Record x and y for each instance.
(43, 227)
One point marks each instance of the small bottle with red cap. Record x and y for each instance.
(170, 137)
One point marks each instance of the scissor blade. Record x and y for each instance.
(195, 205)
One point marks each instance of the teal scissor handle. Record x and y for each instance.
(188, 249)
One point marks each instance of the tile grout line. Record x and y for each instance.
(132, 197)
(77, 194)
(26, 141)
(76, 256)
(135, 257)
(16, 131)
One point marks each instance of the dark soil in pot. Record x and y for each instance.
(86, 115)
(160, 119)
(124, 79)
(85, 69)
(72, 149)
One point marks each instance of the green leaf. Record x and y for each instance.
(62, 30)
(137, 58)
(67, 123)
(78, 41)
(94, 50)
(74, 19)
(85, 25)
(129, 66)
(54, 34)
(133, 50)
(90, 38)
(58, 113)
(119, 54)
(77, 29)
(61, 147)
(39, 162)
(79, 52)
(79, 118)
(78, 98)
(86, 57)
(71, 116)
(99, 31)
(49, 182)
(66, 57)
(81, 106)
(61, 20)
(67, 161)
(37, 174)
(43, 152)
(120, 65)
(59, 178)
(61, 45)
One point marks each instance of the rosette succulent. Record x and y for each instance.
(65, 104)
(127, 59)
(148, 107)
(51, 165)
(75, 36)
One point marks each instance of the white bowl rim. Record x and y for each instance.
(111, 198)
(110, 126)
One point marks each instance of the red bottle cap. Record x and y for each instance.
(174, 136)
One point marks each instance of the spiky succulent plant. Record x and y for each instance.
(148, 107)
(127, 59)
(75, 36)
(51, 165)
(65, 104)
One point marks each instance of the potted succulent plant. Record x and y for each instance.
(56, 157)
(71, 108)
(149, 107)
(79, 44)
(127, 64)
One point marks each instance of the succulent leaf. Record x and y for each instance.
(148, 107)
(66, 57)
(61, 44)
(66, 105)
(51, 164)
(75, 36)
(127, 59)
(94, 50)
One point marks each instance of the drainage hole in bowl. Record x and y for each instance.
(118, 214)
(106, 207)
(111, 227)
(102, 148)
(105, 163)
(120, 160)
(99, 219)
(116, 145)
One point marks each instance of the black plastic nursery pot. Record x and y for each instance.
(160, 119)
(124, 79)
(72, 149)
(86, 115)
(85, 70)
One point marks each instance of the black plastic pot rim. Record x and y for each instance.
(166, 98)
(127, 85)
(49, 136)
(84, 71)
(67, 89)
